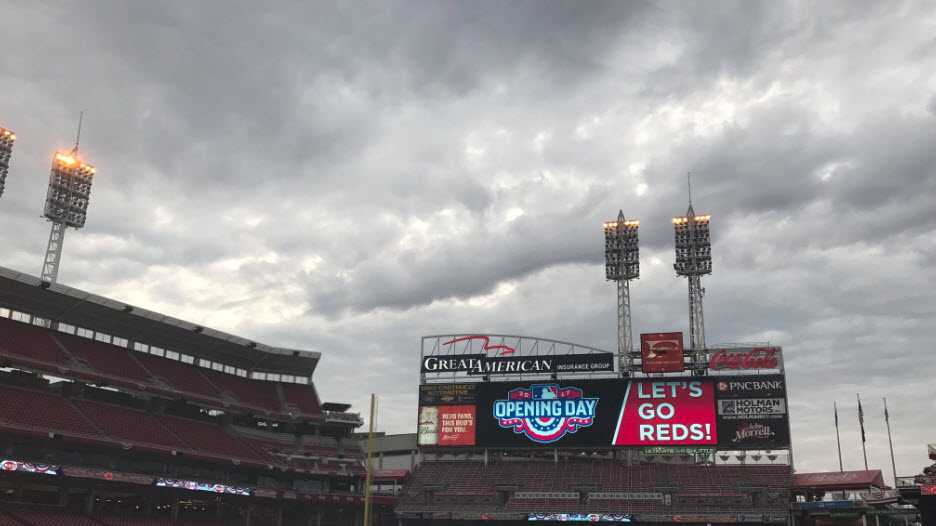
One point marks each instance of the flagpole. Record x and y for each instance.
(890, 441)
(838, 438)
(864, 449)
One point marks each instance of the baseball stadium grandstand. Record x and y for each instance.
(114, 415)
(523, 489)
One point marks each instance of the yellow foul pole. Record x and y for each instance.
(370, 461)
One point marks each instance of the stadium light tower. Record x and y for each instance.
(622, 264)
(694, 260)
(66, 203)
(7, 138)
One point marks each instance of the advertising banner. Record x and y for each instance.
(662, 352)
(446, 425)
(203, 486)
(111, 476)
(668, 414)
(480, 364)
(673, 413)
(448, 394)
(752, 412)
(28, 467)
(741, 434)
(751, 408)
(580, 517)
(766, 386)
(752, 358)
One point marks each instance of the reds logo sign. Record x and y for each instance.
(499, 350)
(545, 413)
(661, 352)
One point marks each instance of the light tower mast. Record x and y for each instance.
(7, 138)
(66, 202)
(622, 264)
(694, 260)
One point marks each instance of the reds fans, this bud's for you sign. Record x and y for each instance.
(667, 413)
(661, 352)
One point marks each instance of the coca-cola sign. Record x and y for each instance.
(745, 359)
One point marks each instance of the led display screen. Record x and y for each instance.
(663, 412)
(203, 486)
(28, 467)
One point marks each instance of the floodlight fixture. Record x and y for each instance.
(66, 203)
(7, 138)
(622, 252)
(622, 264)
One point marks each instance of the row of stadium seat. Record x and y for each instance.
(450, 486)
(37, 517)
(41, 413)
(73, 356)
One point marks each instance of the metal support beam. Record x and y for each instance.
(50, 266)
(696, 315)
(625, 339)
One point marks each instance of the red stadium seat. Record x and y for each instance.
(181, 376)
(209, 439)
(29, 342)
(110, 360)
(303, 398)
(129, 425)
(43, 412)
(53, 518)
(251, 393)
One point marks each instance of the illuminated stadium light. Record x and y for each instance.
(66, 203)
(694, 260)
(7, 138)
(622, 264)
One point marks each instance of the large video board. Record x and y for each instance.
(731, 412)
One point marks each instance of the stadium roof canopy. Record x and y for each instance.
(53, 301)
(835, 480)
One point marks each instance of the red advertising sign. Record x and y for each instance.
(667, 413)
(741, 359)
(662, 352)
(928, 489)
(457, 425)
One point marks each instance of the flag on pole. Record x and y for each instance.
(864, 449)
(861, 421)
(835, 407)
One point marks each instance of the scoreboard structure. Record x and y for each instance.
(487, 391)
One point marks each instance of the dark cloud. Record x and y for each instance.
(347, 177)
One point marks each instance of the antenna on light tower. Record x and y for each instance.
(622, 264)
(66, 203)
(694, 260)
(7, 138)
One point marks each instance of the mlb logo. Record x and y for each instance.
(546, 392)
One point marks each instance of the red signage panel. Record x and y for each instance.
(928, 489)
(667, 413)
(662, 352)
(457, 425)
(745, 359)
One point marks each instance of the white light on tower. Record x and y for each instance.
(66, 203)
(694, 260)
(7, 138)
(622, 264)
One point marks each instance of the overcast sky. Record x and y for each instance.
(348, 177)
